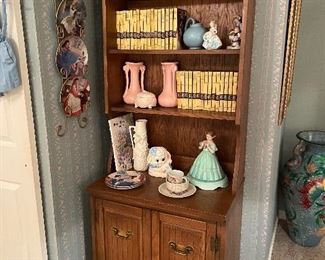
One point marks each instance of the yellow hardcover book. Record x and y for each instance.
(201, 89)
(214, 91)
(226, 91)
(122, 17)
(196, 90)
(167, 28)
(152, 28)
(128, 30)
(222, 98)
(205, 89)
(159, 47)
(155, 29)
(179, 89)
(190, 89)
(131, 40)
(218, 96)
(163, 30)
(149, 19)
(118, 32)
(230, 90)
(137, 41)
(209, 96)
(145, 29)
(125, 28)
(139, 30)
(135, 29)
(142, 30)
(185, 91)
(234, 92)
(170, 33)
(174, 28)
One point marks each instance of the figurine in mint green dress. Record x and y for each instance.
(206, 172)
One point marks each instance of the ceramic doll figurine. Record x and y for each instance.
(211, 40)
(206, 172)
(234, 35)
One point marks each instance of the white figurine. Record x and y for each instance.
(211, 40)
(159, 160)
(234, 35)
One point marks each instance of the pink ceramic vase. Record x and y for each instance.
(134, 84)
(168, 97)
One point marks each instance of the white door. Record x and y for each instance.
(22, 233)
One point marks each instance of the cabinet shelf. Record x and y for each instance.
(200, 205)
(177, 52)
(176, 112)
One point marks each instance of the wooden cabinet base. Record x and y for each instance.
(142, 224)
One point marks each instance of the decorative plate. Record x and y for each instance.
(164, 191)
(74, 96)
(72, 57)
(125, 180)
(70, 18)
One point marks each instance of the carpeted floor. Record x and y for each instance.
(285, 249)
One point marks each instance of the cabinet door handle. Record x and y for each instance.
(121, 234)
(181, 250)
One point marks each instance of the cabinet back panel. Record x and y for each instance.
(181, 137)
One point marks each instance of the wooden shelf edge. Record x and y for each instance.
(177, 52)
(176, 112)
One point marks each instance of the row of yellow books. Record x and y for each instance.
(150, 29)
(207, 90)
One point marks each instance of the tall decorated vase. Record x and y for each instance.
(134, 77)
(303, 186)
(168, 97)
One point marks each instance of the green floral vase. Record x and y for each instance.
(303, 186)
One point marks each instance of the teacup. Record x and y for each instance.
(176, 182)
(175, 176)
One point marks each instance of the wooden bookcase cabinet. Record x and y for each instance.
(181, 130)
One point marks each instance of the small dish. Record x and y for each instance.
(125, 180)
(164, 191)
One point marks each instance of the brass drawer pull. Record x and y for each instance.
(181, 250)
(121, 234)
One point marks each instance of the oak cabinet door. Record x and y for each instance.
(178, 238)
(123, 234)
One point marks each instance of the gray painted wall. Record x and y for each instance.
(70, 163)
(307, 107)
(264, 136)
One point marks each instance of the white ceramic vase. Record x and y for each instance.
(140, 145)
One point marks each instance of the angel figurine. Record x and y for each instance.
(211, 40)
(234, 35)
(206, 172)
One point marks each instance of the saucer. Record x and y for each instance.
(125, 180)
(164, 191)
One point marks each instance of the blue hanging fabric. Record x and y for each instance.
(9, 75)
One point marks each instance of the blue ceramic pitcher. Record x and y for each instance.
(193, 34)
(303, 186)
